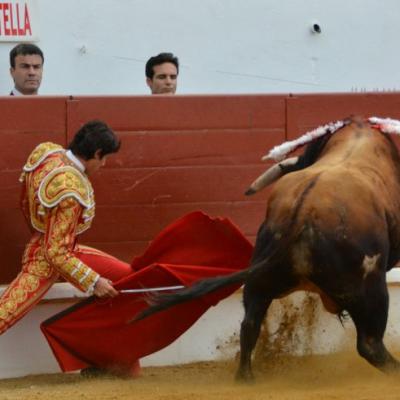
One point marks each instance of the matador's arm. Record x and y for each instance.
(59, 242)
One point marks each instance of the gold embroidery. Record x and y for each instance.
(64, 182)
(36, 210)
(63, 185)
(29, 282)
(10, 305)
(39, 268)
(23, 292)
(18, 295)
(59, 186)
(41, 151)
(3, 313)
(60, 242)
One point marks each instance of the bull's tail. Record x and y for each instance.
(160, 302)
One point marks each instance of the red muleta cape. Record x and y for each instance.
(95, 331)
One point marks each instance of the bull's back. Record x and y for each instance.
(341, 204)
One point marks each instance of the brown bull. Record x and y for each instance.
(333, 227)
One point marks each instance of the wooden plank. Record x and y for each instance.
(195, 147)
(153, 186)
(123, 113)
(307, 112)
(20, 145)
(33, 114)
(25, 123)
(143, 222)
(10, 261)
(13, 228)
(10, 189)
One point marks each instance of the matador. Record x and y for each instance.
(58, 203)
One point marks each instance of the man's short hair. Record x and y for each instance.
(93, 136)
(24, 49)
(160, 59)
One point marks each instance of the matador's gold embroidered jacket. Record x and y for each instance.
(58, 203)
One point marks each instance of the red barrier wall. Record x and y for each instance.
(179, 154)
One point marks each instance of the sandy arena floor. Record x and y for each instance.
(333, 377)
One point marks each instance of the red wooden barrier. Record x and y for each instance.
(179, 154)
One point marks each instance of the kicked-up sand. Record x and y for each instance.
(332, 377)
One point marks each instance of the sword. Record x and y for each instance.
(154, 289)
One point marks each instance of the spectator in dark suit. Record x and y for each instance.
(26, 68)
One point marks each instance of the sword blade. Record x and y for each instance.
(154, 289)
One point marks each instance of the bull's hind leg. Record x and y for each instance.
(258, 294)
(255, 309)
(369, 313)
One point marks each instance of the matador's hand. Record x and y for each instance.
(103, 288)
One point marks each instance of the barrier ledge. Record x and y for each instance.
(64, 291)
(60, 292)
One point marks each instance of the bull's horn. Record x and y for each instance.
(270, 175)
(265, 179)
(267, 157)
(250, 191)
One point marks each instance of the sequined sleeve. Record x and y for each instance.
(59, 242)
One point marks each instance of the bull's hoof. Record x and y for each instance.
(246, 377)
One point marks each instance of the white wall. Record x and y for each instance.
(225, 46)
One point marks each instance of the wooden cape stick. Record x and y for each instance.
(154, 289)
